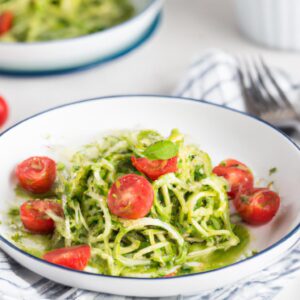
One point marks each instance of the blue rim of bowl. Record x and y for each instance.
(134, 18)
(136, 44)
(156, 97)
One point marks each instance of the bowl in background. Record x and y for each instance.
(273, 23)
(221, 132)
(43, 58)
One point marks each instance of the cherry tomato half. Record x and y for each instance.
(154, 168)
(36, 174)
(34, 217)
(259, 207)
(75, 257)
(130, 197)
(3, 111)
(237, 174)
(6, 21)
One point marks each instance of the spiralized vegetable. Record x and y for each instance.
(44, 20)
(188, 221)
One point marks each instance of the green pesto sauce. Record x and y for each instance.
(14, 216)
(13, 213)
(221, 258)
(42, 242)
(22, 237)
(215, 260)
(33, 251)
(21, 193)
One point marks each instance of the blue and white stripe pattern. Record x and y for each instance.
(212, 77)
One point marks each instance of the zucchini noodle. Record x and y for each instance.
(187, 230)
(188, 221)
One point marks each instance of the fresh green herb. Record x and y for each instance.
(272, 171)
(161, 150)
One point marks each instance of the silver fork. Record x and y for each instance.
(265, 98)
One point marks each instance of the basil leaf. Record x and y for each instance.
(161, 150)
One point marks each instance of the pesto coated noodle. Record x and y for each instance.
(188, 229)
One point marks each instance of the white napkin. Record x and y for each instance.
(211, 77)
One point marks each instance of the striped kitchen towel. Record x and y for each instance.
(213, 77)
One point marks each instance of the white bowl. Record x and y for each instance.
(221, 132)
(273, 23)
(69, 54)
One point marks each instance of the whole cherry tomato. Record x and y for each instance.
(3, 111)
(259, 207)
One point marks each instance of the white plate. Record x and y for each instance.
(66, 54)
(221, 132)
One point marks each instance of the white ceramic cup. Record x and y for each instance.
(273, 23)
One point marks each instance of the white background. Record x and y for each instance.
(188, 26)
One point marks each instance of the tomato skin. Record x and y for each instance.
(75, 257)
(154, 168)
(230, 162)
(172, 274)
(4, 110)
(130, 197)
(36, 174)
(34, 218)
(259, 207)
(6, 21)
(237, 174)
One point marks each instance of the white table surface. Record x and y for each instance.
(188, 26)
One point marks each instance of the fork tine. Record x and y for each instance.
(277, 87)
(245, 93)
(273, 103)
(258, 97)
(244, 80)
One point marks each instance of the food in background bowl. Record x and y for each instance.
(67, 45)
(31, 21)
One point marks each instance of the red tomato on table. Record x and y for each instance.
(259, 207)
(237, 174)
(36, 174)
(34, 217)
(130, 197)
(75, 257)
(6, 22)
(154, 168)
(3, 111)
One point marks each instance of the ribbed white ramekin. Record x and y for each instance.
(274, 23)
